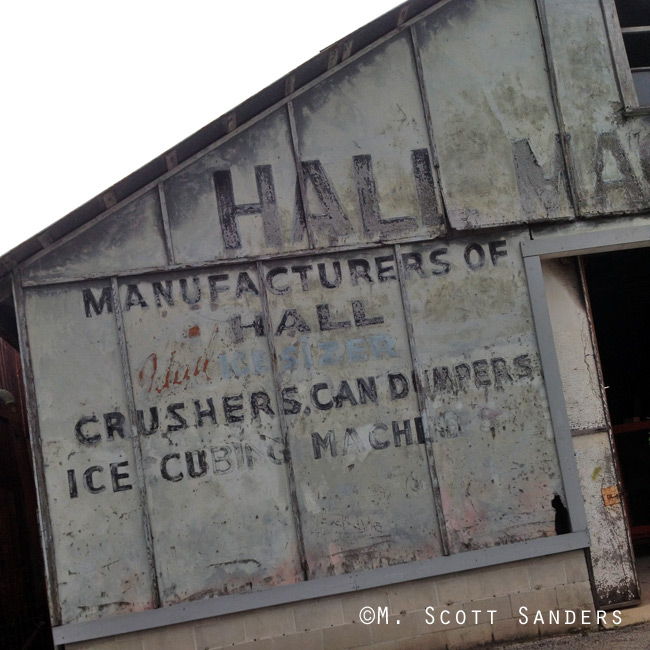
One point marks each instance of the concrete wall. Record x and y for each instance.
(557, 582)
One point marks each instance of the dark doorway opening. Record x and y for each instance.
(619, 292)
(24, 619)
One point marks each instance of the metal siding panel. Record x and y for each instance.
(612, 562)
(611, 156)
(363, 488)
(196, 216)
(101, 556)
(362, 125)
(217, 478)
(492, 113)
(130, 238)
(575, 352)
(492, 437)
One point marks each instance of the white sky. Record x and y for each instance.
(93, 90)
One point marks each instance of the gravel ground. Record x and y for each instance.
(631, 637)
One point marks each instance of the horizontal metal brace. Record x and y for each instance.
(590, 242)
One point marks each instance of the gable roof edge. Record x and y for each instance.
(325, 61)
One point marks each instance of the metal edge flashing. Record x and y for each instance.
(442, 201)
(637, 111)
(302, 197)
(284, 427)
(620, 64)
(246, 259)
(347, 583)
(608, 433)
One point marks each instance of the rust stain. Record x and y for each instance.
(611, 495)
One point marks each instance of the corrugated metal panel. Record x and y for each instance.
(492, 113)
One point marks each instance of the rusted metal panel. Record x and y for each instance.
(94, 503)
(365, 154)
(129, 238)
(356, 435)
(488, 414)
(207, 419)
(492, 112)
(611, 156)
(239, 199)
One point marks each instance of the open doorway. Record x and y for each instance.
(619, 292)
(24, 620)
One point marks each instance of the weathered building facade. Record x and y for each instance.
(337, 350)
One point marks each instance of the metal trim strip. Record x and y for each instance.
(555, 394)
(422, 400)
(585, 243)
(284, 427)
(135, 441)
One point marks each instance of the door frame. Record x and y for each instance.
(598, 239)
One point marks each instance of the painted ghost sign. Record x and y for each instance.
(341, 412)
(299, 355)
